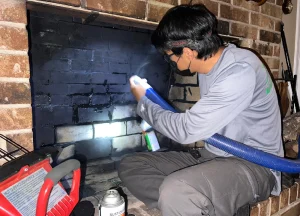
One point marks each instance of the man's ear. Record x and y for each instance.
(188, 53)
(195, 53)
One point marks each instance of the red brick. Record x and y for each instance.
(254, 210)
(271, 10)
(234, 14)
(276, 51)
(15, 93)
(226, 1)
(272, 63)
(67, 2)
(24, 139)
(13, 11)
(241, 30)
(275, 74)
(263, 49)
(156, 12)
(251, 5)
(262, 21)
(265, 208)
(277, 26)
(131, 8)
(270, 36)
(279, 2)
(13, 38)
(172, 2)
(223, 27)
(211, 6)
(274, 204)
(14, 66)
(15, 118)
(293, 193)
(284, 198)
(294, 211)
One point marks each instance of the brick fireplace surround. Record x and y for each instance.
(255, 27)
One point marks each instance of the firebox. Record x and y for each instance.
(81, 93)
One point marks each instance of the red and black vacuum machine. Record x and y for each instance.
(29, 185)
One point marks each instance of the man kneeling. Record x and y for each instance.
(238, 100)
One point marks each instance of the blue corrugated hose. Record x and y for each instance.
(236, 148)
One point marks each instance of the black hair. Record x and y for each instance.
(192, 26)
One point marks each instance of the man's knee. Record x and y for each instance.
(169, 189)
(172, 190)
(125, 165)
(175, 193)
(130, 164)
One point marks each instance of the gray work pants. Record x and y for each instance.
(179, 184)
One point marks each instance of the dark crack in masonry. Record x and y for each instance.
(190, 92)
(75, 118)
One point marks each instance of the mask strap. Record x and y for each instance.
(178, 59)
(190, 64)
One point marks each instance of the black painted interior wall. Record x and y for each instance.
(80, 73)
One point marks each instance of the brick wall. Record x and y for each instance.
(15, 97)
(256, 27)
(80, 83)
(287, 204)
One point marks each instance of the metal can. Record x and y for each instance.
(112, 204)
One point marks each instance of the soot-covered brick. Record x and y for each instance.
(80, 75)
(92, 114)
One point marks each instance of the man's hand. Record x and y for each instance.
(137, 90)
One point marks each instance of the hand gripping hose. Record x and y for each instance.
(230, 146)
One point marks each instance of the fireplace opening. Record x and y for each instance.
(80, 86)
(81, 97)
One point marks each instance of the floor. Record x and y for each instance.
(100, 177)
(135, 207)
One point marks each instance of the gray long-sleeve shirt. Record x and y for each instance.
(238, 100)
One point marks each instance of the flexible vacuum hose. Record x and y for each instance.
(230, 146)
